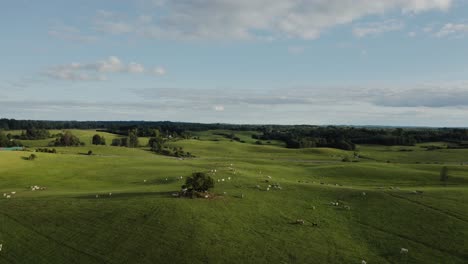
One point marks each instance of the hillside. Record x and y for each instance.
(387, 199)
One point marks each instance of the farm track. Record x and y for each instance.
(462, 257)
(99, 259)
(429, 207)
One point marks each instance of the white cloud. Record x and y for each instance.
(70, 74)
(159, 71)
(112, 64)
(95, 71)
(450, 29)
(265, 19)
(218, 108)
(412, 34)
(377, 28)
(136, 68)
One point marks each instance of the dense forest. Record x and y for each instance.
(297, 136)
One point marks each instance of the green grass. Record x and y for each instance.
(142, 223)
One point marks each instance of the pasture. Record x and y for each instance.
(115, 206)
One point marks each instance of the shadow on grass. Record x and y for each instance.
(160, 181)
(85, 154)
(126, 195)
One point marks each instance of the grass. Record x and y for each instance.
(141, 223)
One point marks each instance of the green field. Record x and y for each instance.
(142, 223)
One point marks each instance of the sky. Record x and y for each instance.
(322, 62)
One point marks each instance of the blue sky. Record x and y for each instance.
(362, 62)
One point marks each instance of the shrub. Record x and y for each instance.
(32, 157)
(90, 152)
(46, 150)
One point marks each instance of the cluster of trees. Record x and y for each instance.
(7, 141)
(131, 141)
(67, 139)
(98, 140)
(33, 134)
(10, 140)
(158, 145)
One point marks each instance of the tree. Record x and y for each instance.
(156, 144)
(90, 152)
(97, 139)
(199, 182)
(444, 174)
(132, 138)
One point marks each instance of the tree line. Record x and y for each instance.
(294, 136)
(347, 137)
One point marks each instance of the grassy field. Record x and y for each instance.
(378, 213)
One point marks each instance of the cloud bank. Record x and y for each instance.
(96, 71)
(444, 104)
(246, 19)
